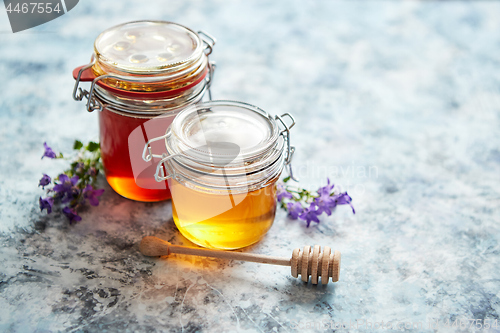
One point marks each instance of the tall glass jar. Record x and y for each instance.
(222, 161)
(142, 74)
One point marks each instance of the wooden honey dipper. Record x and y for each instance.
(314, 264)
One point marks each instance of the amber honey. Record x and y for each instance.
(223, 221)
(116, 149)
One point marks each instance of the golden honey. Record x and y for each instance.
(227, 221)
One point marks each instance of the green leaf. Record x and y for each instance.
(286, 179)
(77, 145)
(60, 155)
(92, 146)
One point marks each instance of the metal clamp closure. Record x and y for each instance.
(286, 136)
(79, 93)
(211, 71)
(209, 41)
(160, 174)
(147, 148)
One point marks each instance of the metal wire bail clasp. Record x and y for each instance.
(79, 93)
(290, 148)
(162, 168)
(209, 41)
(147, 148)
(211, 71)
(147, 156)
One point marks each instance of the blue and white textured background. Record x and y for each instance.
(408, 91)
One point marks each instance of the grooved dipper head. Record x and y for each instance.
(154, 247)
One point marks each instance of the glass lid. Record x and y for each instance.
(223, 133)
(143, 47)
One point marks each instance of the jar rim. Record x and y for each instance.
(226, 134)
(220, 167)
(181, 58)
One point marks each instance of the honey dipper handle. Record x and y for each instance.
(153, 246)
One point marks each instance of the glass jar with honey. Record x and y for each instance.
(222, 160)
(142, 74)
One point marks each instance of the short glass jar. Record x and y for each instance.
(143, 73)
(222, 162)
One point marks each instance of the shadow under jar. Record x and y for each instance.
(222, 162)
(142, 74)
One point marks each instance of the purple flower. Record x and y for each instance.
(283, 193)
(310, 214)
(71, 215)
(46, 204)
(65, 183)
(44, 181)
(91, 194)
(294, 209)
(65, 189)
(48, 151)
(325, 203)
(326, 190)
(344, 199)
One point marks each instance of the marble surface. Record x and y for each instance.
(397, 102)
